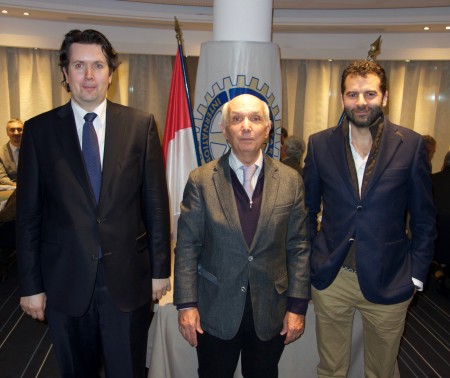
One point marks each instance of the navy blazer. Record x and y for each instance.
(441, 190)
(60, 225)
(386, 258)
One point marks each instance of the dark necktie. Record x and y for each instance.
(91, 154)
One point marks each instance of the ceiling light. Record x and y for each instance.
(4, 11)
(447, 28)
(26, 14)
(426, 28)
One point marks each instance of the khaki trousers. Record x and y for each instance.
(383, 327)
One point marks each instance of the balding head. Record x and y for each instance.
(246, 125)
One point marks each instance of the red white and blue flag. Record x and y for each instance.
(179, 147)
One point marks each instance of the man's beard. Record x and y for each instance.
(374, 113)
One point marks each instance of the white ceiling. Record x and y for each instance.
(290, 16)
(306, 29)
(317, 4)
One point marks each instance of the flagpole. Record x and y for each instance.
(179, 36)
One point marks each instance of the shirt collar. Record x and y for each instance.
(13, 148)
(235, 163)
(79, 112)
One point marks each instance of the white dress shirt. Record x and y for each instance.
(236, 166)
(99, 124)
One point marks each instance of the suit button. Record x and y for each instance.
(243, 289)
(250, 258)
(359, 208)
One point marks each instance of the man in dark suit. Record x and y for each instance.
(366, 174)
(441, 190)
(242, 254)
(92, 216)
(7, 235)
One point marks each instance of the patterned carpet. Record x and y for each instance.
(26, 349)
(425, 347)
(25, 346)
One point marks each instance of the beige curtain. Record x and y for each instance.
(419, 92)
(419, 98)
(30, 81)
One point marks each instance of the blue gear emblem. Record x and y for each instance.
(212, 143)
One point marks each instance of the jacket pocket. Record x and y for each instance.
(281, 284)
(282, 209)
(141, 242)
(396, 265)
(207, 275)
(397, 172)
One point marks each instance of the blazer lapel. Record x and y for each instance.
(66, 132)
(390, 141)
(8, 155)
(224, 188)
(114, 136)
(270, 191)
(338, 160)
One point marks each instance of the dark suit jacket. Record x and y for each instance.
(213, 264)
(441, 195)
(8, 213)
(385, 258)
(7, 224)
(60, 225)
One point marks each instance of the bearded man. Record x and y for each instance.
(365, 175)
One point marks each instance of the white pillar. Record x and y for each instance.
(240, 59)
(243, 20)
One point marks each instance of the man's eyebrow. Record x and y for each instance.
(88, 61)
(249, 113)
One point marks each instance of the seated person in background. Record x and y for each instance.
(430, 146)
(7, 234)
(441, 190)
(9, 153)
(283, 135)
(292, 151)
